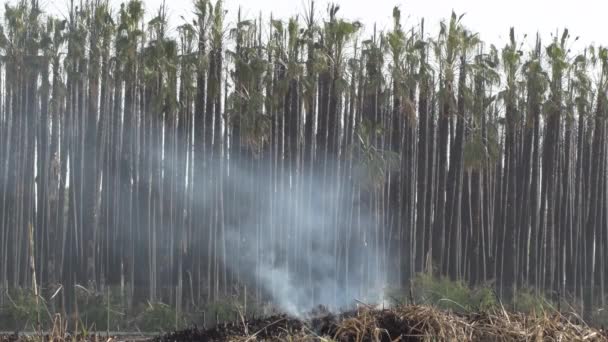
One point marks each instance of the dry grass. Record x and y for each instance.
(404, 323)
(425, 323)
(58, 333)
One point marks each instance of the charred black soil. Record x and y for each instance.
(407, 323)
(411, 323)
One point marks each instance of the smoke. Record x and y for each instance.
(297, 239)
(302, 240)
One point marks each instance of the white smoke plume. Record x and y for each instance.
(301, 243)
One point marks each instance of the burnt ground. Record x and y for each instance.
(350, 326)
(268, 328)
(408, 323)
(412, 323)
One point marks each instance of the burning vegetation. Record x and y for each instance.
(402, 323)
(405, 323)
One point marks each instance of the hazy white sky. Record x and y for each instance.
(491, 18)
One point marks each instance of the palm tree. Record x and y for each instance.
(553, 109)
(536, 84)
(447, 49)
(594, 216)
(511, 64)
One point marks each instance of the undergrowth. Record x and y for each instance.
(20, 311)
(23, 310)
(458, 296)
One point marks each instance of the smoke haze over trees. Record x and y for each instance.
(297, 158)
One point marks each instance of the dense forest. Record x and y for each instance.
(303, 161)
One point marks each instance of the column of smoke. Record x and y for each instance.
(295, 241)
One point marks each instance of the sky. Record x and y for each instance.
(491, 18)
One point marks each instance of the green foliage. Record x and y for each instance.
(223, 310)
(527, 301)
(474, 153)
(600, 318)
(230, 308)
(102, 311)
(480, 152)
(484, 299)
(375, 163)
(23, 311)
(442, 292)
(452, 295)
(458, 296)
(159, 317)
